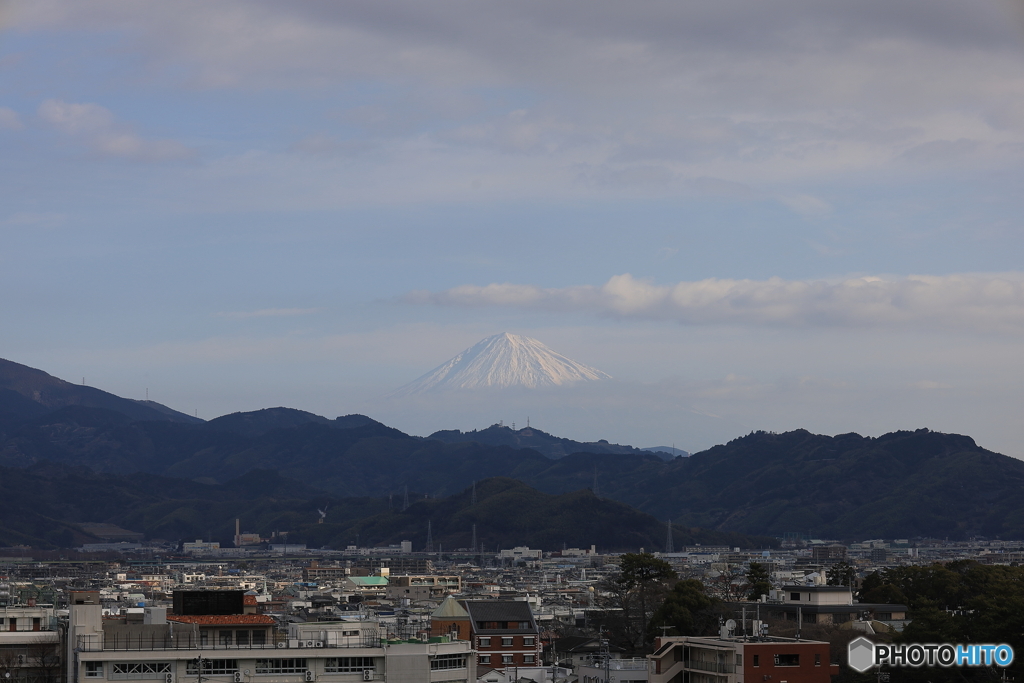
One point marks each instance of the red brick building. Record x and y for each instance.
(740, 660)
(504, 633)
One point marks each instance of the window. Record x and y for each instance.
(525, 624)
(348, 665)
(241, 637)
(757, 660)
(529, 640)
(485, 642)
(213, 667)
(506, 641)
(350, 633)
(884, 616)
(787, 660)
(485, 659)
(445, 662)
(794, 596)
(94, 669)
(739, 660)
(259, 637)
(144, 670)
(528, 659)
(281, 666)
(817, 660)
(506, 659)
(204, 638)
(224, 637)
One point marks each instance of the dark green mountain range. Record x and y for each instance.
(528, 437)
(47, 392)
(903, 484)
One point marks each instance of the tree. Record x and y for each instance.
(687, 609)
(759, 579)
(641, 584)
(841, 574)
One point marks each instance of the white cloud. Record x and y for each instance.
(9, 119)
(608, 94)
(96, 127)
(953, 301)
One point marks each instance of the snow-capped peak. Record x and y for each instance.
(504, 360)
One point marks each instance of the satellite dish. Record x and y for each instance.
(730, 626)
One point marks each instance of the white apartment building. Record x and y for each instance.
(245, 648)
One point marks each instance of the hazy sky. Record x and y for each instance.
(754, 215)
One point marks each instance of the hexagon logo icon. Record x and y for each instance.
(861, 654)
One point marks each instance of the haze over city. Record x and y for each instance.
(751, 216)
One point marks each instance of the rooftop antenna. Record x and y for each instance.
(669, 546)
(430, 538)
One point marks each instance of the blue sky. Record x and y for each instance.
(753, 215)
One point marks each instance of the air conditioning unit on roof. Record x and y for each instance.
(318, 643)
(367, 674)
(282, 644)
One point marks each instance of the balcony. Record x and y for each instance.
(635, 664)
(711, 667)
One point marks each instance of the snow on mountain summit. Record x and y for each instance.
(504, 360)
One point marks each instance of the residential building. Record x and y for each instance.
(29, 644)
(167, 648)
(504, 633)
(819, 604)
(688, 659)
(432, 587)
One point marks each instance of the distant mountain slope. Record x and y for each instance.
(529, 437)
(502, 361)
(52, 393)
(44, 506)
(669, 451)
(509, 513)
(902, 484)
(262, 421)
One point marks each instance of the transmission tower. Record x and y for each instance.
(405, 501)
(473, 549)
(430, 538)
(594, 489)
(474, 492)
(669, 545)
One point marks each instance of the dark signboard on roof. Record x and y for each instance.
(209, 602)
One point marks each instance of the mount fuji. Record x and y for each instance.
(503, 361)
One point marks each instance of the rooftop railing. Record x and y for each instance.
(190, 641)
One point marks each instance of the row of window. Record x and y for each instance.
(782, 660)
(213, 667)
(506, 659)
(503, 624)
(445, 662)
(236, 637)
(507, 641)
